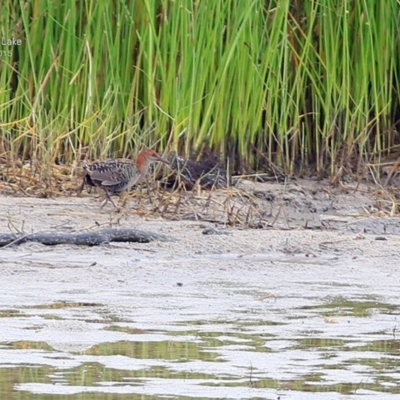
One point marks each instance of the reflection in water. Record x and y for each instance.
(204, 359)
(265, 347)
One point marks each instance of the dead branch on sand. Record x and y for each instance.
(82, 238)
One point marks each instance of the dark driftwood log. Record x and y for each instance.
(83, 239)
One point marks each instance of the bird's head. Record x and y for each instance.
(147, 157)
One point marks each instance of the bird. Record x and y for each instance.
(119, 175)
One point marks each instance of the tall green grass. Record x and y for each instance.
(304, 83)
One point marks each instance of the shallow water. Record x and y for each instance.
(232, 326)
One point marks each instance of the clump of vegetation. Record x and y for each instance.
(306, 85)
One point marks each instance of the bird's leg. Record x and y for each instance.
(107, 198)
(86, 181)
(80, 188)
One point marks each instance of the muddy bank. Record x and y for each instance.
(287, 310)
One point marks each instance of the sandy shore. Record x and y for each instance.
(68, 296)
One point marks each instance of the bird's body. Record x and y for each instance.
(115, 175)
(118, 175)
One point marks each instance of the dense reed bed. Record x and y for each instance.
(303, 84)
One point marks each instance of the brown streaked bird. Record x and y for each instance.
(118, 175)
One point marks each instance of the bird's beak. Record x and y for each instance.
(163, 160)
